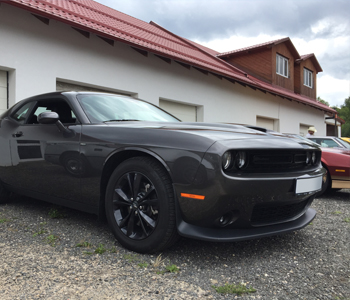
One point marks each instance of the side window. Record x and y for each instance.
(330, 143)
(315, 141)
(58, 106)
(282, 65)
(307, 78)
(22, 114)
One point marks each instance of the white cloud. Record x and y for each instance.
(333, 90)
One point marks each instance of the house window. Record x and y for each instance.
(307, 77)
(282, 65)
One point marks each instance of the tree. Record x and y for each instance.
(344, 113)
(319, 99)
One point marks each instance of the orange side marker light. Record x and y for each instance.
(192, 196)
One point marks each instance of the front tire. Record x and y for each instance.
(140, 205)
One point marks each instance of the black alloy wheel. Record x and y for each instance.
(136, 205)
(140, 205)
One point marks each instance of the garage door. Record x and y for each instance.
(186, 113)
(303, 129)
(265, 122)
(3, 91)
(64, 86)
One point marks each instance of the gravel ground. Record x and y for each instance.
(39, 259)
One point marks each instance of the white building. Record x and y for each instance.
(84, 45)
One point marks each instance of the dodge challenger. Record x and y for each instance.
(152, 176)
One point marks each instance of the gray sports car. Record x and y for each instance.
(154, 177)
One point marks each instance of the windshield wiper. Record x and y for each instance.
(120, 120)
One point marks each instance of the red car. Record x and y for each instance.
(337, 163)
(335, 160)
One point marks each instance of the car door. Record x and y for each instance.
(44, 157)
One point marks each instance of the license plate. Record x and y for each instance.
(307, 185)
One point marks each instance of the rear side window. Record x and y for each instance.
(21, 115)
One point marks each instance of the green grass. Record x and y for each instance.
(143, 265)
(337, 212)
(41, 230)
(51, 240)
(347, 220)
(171, 268)
(4, 220)
(100, 249)
(83, 245)
(238, 289)
(131, 257)
(55, 213)
(113, 250)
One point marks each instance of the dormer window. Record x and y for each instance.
(282, 65)
(307, 78)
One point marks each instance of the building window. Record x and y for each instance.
(308, 78)
(281, 65)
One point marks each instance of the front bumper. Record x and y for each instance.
(251, 205)
(340, 184)
(232, 235)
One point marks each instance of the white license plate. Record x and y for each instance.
(307, 185)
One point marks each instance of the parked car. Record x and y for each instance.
(346, 139)
(330, 142)
(337, 163)
(152, 176)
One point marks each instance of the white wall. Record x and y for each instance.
(3, 91)
(39, 55)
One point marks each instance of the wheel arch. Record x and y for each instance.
(114, 160)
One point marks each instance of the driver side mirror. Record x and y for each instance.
(48, 117)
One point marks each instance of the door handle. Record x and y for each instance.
(17, 134)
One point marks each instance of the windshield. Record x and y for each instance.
(346, 145)
(113, 108)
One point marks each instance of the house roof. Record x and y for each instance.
(258, 47)
(91, 16)
(314, 60)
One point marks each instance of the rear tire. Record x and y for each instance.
(4, 194)
(140, 205)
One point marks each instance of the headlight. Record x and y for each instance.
(313, 157)
(226, 160)
(308, 157)
(240, 159)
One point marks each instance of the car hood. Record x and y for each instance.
(336, 150)
(226, 134)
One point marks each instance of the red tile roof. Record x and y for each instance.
(263, 45)
(313, 59)
(104, 21)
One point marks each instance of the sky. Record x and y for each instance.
(321, 27)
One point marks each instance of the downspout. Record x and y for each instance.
(335, 127)
(7, 90)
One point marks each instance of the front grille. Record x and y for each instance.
(266, 214)
(276, 160)
(270, 161)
